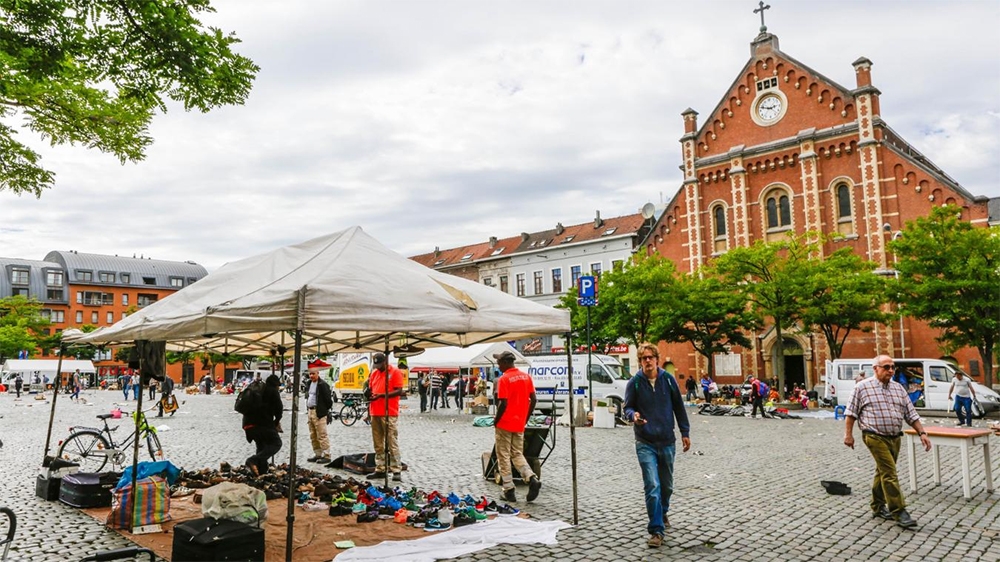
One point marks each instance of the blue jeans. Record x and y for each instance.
(964, 402)
(657, 463)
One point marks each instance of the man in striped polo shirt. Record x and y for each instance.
(880, 406)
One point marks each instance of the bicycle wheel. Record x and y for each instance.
(153, 443)
(88, 448)
(348, 415)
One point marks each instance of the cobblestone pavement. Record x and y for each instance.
(748, 490)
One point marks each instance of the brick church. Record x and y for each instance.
(787, 150)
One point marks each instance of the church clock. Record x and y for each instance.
(769, 107)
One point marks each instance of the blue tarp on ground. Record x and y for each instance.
(146, 469)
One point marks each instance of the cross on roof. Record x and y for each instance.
(760, 10)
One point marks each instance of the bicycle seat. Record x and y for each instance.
(104, 416)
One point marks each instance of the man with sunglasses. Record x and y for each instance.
(652, 402)
(880, 405)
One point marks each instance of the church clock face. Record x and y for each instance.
(769, 108)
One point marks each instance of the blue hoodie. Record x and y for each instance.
(658, 406)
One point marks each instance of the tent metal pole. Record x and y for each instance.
(572, 423)
(135, 446)
(290, 518)
(55, 396)
(385, 442)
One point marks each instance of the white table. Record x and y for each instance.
(961, 437)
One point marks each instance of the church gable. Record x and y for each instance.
(774, 97)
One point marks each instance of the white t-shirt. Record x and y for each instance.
(962, 387)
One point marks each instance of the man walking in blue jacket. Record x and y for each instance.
(652, 401)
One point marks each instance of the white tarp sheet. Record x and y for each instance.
(460, 541)
(345, 290)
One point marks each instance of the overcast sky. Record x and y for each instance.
(443, 123)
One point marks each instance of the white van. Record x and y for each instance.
(932, 376)
(548, 372)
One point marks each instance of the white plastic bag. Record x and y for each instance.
(237, 502)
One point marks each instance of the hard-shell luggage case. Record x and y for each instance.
(47, 488)
(219, 540)
(88, 489)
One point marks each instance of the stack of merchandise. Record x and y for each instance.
(432, 512)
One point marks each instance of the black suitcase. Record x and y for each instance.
(88, 489)
(217, 539)
(47, 488)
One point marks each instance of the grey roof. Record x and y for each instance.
(994, 208)
(137, 268)
(36, 278)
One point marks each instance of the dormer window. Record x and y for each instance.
(610, 231)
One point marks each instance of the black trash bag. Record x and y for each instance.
(835, 488)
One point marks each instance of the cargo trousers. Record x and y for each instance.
(885, 487)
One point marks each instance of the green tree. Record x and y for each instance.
(22, 326)
(93, 72)
(770, 274)
(707, 313)
(949, 275)
(628, 301)
(840, 295)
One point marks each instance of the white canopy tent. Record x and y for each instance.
(340, 292)
(45, 366)
(478, 355)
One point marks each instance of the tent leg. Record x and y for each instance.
(386, 377)
(55, 396)
(135, 446)
(290, 518)
(572, 424)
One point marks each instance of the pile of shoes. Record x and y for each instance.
(274, 483)
(432, 511)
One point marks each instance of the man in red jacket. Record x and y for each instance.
(516, 395)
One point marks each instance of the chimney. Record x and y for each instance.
(493, 242)
(690, 121)
(560, 228)
(525, 236)
(863, 71)
(437, 251)
(598, 221)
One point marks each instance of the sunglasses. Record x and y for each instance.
(889, 367)
(648, 358)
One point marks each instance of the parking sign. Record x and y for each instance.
(587, 291)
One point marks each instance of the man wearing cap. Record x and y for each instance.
(319, 402)
(880, 405)
(385, 417)
(516, 396)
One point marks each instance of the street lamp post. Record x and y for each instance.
(902, 335)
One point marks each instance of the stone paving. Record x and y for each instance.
(748, 489)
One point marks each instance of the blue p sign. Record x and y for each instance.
(588, 287)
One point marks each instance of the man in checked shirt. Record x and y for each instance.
(880, 406)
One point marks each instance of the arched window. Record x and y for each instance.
(720, 220)
(845, 219)
(777, 213)
(843, 201)
(720, 243)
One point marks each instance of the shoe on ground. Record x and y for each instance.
(654, 541)
(375, 476)
(905, 521)
(397, 476)
(506, 509)
(534, 485)
(510, 495)
(882, 512)
(322, 460)
(311, 459)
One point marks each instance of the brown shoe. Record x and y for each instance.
(654, 541)
(666, 521)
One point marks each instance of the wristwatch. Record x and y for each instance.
(923, 433)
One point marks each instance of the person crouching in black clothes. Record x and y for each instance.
(262, 427)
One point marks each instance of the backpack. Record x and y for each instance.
(764, 389)
(251, 398)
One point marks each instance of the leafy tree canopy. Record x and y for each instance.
(22, 326)
(93, 72)
(949, 275)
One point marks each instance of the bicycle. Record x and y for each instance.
(91, 448)
(354, 409)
